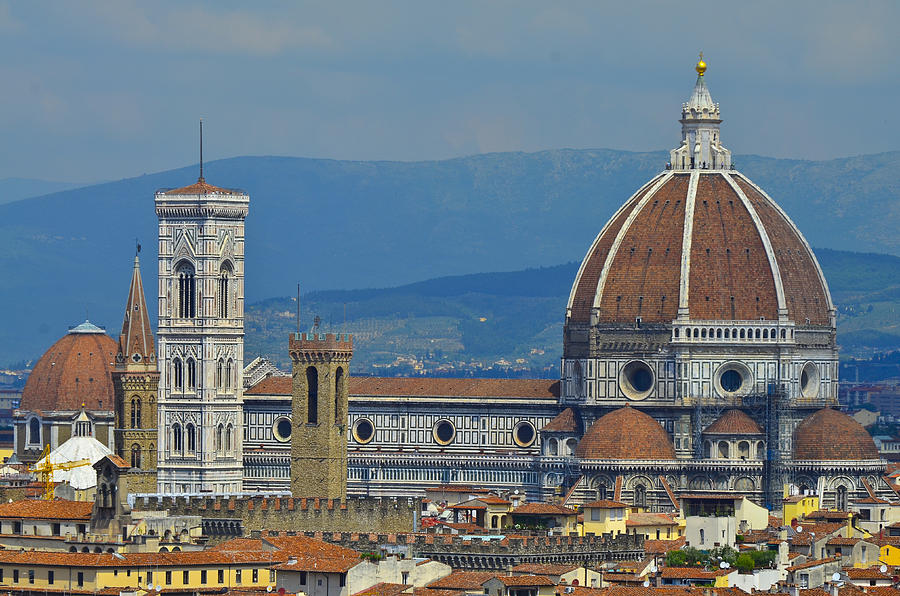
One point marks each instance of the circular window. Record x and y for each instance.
(444, 432)
(281, 428)
(636, 379)
(809, 380)
(363, 430)
(524, 434)
(733, 378)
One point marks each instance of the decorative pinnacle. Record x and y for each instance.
(701, 66)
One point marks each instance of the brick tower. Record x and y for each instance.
(136, 379)
(321, 370)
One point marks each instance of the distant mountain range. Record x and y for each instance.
(346, 224)
(16, 189)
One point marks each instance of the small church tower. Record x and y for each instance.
(136, 378)
(321, 371)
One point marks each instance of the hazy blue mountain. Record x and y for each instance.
(15, 189)
(346, 224)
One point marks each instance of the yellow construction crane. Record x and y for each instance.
(45, 471)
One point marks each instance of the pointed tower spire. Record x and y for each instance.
(701, 148)
(136, 344)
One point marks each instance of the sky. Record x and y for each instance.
(106, 89)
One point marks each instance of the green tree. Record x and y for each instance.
(676, 558)
(744, 563)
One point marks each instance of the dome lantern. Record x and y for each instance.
(701, 146)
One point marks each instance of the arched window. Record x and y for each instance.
(640, 495)
(220, 373)
(229, 374)
(191, 438)
(601, 492)
(135, 456)
(220, 446)
(178, 374)
(841, 498)
(136, 412)
(723, 450)
(177, 440)
(744, 450)
(34, 431)
(229, 438)
(224, 295)
(312, 395)
(339, 415)
(760, 450)
(552, 447)
(187, 303)
(707, 450)
(191, 373)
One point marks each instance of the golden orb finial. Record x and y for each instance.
(701, 66)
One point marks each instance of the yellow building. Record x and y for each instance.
(655, 526)
(489, 512)
(604, 517)
(798, 506)
(559, 519)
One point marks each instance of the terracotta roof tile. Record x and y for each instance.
(427, 387)
(523, 580)
(201, 187)
(40, 509)
(545, 568)
(661, 547)
(691, 573)
(637, 520)
(543, 509)
(814, 438)
(384, 589)
(462, 580)
(626, 433)
(604, 504)
(813, 563)
(564, 422)
(734, 422)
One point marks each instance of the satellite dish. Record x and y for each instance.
(646, 583)
(158, 588)
(883, 568)
(268, 588)
(723, 565)
(836, 576)
(653, 569)
(799, 529)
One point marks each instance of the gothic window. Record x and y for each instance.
(723, 450)
(312, 395)
(220, 373)
(191, 373)
(744, 450)
(224, 296)
(135, 412)
(219, 444)
(229, 438)
(191, 433)
(601, 492)
(640, 495)
(34, 431)
(338, 391)
(841, 498)
(229, 374)
(135, 456)
(187, 299)
(177, 439)
(178, 374)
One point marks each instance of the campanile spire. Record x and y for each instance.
(701, 147)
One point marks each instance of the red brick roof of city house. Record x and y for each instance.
(639, 520)
(661, 547)
(58, 509)
(604, 504)
(865, 573)
(385, 589)
(544, 568)
(462, 580)
(522, 580)
(813, 563)
(691, 573)
(438, 592)
(426, 387)
(842, 541)
(564, 422)
(543, 509)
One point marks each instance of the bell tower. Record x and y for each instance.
(321, 371)
(201, 338)
(136, 378)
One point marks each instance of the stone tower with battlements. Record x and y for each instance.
(136, 378)
(321, 370)
(201, 338)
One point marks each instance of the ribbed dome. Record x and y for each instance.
(74, 371)
(736, 257)
(734, 422)
(626, 433)
(829, 435)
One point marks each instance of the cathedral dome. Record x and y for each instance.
(626, 433)
(733, 422)
(829, 435)
(74, 371)
(700, 241)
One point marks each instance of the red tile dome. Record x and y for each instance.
(734, 422)
(710, 240)
(74, 371)
(626, 433)
(829, 435)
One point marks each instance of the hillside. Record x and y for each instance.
(343, 224)
(465, 324)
